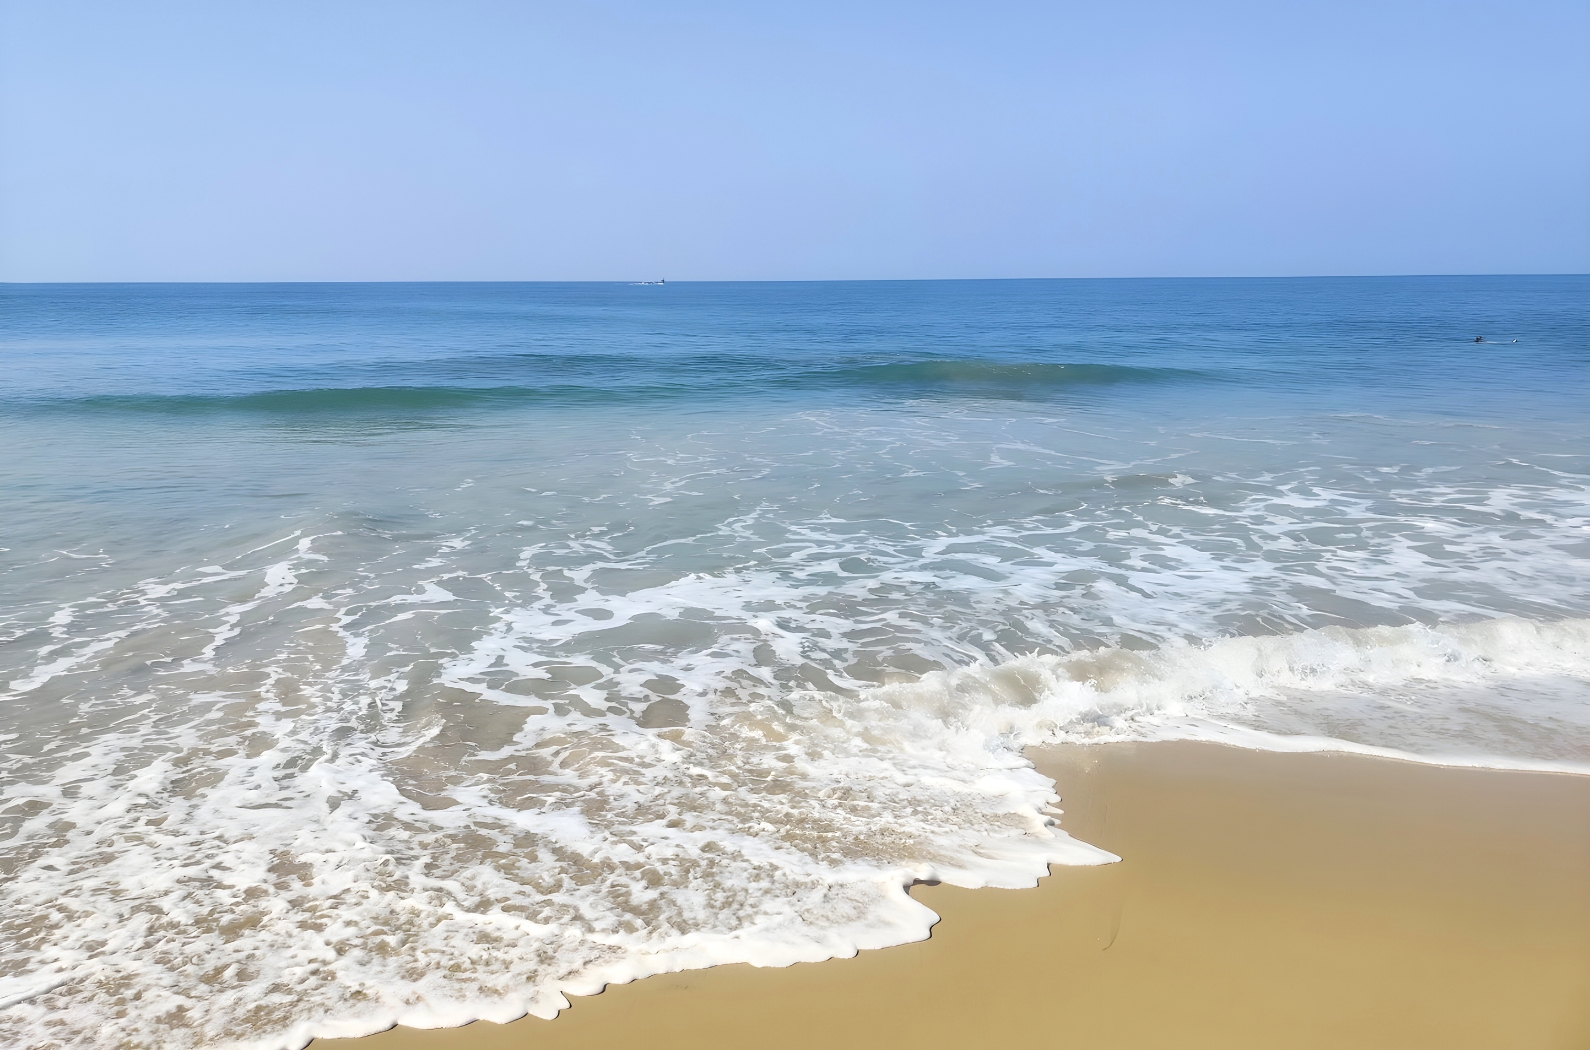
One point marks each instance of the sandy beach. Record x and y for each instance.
(1263, 900)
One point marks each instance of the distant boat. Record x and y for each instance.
(657, 281)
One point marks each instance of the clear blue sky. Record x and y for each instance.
(696, 140)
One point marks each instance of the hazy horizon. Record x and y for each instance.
(848, 280)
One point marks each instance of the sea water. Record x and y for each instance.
(421, 653)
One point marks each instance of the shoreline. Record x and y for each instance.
(1263, 898)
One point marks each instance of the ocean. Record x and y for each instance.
(422, 653)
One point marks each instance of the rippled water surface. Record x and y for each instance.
(423, 653)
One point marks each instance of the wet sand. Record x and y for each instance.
(1263, 900)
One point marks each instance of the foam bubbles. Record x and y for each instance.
(337, 771)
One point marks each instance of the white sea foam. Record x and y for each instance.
(1503, 693)
(296, 896)
(348, 774)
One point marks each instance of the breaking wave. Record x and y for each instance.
(543, 379)
(321, 867)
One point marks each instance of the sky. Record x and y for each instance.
(736, 141)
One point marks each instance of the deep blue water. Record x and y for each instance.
(439, 348)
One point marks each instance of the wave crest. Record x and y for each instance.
(1437, 694)
(550, 380)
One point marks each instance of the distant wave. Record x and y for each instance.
(1005, 378)
(574, 381)
(370, 399)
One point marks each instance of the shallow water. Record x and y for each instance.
(422, 653)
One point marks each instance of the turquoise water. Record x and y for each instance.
(426, 652)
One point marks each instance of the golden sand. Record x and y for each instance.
(1264, 900)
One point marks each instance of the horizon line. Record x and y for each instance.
(795, 280)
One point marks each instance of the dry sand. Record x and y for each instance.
(1264, 900)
